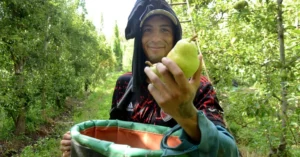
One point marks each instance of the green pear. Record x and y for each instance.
(153, 68)
(240, 5)
(185, 55)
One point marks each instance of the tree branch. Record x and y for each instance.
(277, 97)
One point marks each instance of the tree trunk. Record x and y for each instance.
(19, 88)
(20, 123)
(282, 145)
(20, 120)
(46, 42)
(58, 102)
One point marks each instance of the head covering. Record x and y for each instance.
(159, 12)
(142, 10)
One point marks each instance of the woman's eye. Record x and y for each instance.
(147, 30)
(164, 30)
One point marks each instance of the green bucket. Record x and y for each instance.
(115, 138)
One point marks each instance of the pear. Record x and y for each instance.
(153, 68)
(185, 55)
(240, 5)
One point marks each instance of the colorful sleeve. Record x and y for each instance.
(207, 101)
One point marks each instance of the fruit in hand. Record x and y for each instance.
(185, 55)
(153, 68)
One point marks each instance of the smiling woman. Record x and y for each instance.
(157, 37)
(113, 11)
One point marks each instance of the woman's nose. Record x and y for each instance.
(156, 36)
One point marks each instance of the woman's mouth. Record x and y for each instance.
(155, 48)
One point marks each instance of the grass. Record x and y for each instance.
(96, 106)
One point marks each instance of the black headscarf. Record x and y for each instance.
(133, 30)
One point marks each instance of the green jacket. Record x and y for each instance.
(215, 141)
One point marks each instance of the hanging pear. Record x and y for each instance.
(240, 5)
(185, 55)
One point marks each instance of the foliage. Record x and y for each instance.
(241, 51)
(49, 51)
(96, 106)
(38, 149)
(117, 48)
(239, 42)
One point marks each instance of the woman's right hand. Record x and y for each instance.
(65, 144)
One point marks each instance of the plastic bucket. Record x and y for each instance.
(115, 138)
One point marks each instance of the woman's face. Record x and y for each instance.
(158, 37)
